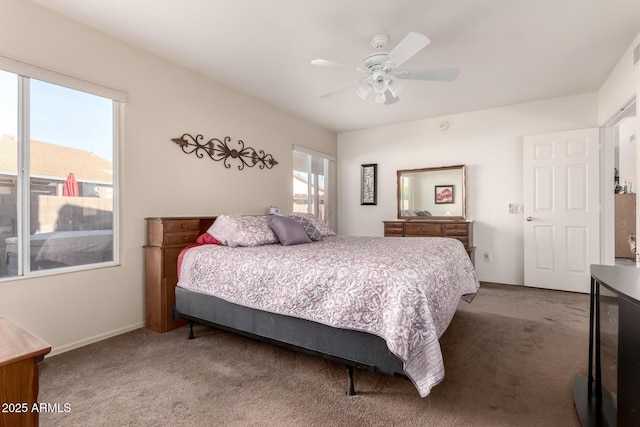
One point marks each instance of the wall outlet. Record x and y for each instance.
(487, 257)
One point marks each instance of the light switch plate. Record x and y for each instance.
(515, 208)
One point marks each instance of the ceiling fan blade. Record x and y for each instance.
(343, 87)
(332, 64)
(408, 46)
(437, 74)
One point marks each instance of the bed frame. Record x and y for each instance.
(354, 349)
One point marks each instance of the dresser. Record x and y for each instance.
(458, 229)
(166, 238)
(20, 353)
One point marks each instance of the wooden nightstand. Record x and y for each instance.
(20, 353)
(166, 238)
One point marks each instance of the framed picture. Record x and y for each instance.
(368, 193)
(444, 194)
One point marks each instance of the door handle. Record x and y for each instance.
(529, 218)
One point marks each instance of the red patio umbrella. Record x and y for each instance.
(70, 186)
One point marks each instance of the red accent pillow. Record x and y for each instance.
(203, 239)
(207, 239)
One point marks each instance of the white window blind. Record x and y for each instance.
(35, 72)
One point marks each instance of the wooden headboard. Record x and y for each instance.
(206, 222)
(166, 238)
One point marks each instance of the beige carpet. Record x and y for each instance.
(510, 358)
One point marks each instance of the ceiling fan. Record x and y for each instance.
(381, 68)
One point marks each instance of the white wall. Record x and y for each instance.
(165, 101)
(620, 86)
(489, 142)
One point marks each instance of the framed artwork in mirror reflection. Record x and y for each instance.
(444, 194)
(368, 178)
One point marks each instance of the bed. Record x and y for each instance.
(374, 303)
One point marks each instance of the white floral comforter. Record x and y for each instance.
(404, 290)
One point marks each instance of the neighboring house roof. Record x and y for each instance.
(56, 161)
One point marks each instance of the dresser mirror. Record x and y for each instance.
(432, 193)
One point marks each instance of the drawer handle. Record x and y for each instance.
(185, 238)
(422, 229)
(183, 225)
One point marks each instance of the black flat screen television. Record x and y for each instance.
(610, 394)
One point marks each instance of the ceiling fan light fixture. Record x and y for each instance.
(364, 90)
(380, 87)
(391, 97)
(382, 72)
(393, 90)
(380, 81)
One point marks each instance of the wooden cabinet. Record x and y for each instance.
(20, 353)
(625, 205)
(461, 230)
(166, 238)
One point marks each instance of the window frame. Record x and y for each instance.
(330, 185)
(25, 72)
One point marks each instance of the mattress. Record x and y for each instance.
(404, 290)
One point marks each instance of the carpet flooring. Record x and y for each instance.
(510, 358)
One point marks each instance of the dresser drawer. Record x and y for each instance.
(393, 229)
(451, 230)
(178, 225)
(423, 229)
(180, 238)
(175, 231)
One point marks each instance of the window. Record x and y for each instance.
(313, 181)
(58, 192)
(406, 197)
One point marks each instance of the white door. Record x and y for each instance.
(561, 209)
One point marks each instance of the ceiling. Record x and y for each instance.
(508, 51)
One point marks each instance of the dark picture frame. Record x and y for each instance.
(444, 194)
(369, 184)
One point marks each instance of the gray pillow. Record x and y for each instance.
(288, 230)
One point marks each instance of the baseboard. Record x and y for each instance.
(94, 339)
(497, 284)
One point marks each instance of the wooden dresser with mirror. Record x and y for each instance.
(432, 203)
(457, 229)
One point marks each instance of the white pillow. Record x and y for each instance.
(242, 230)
